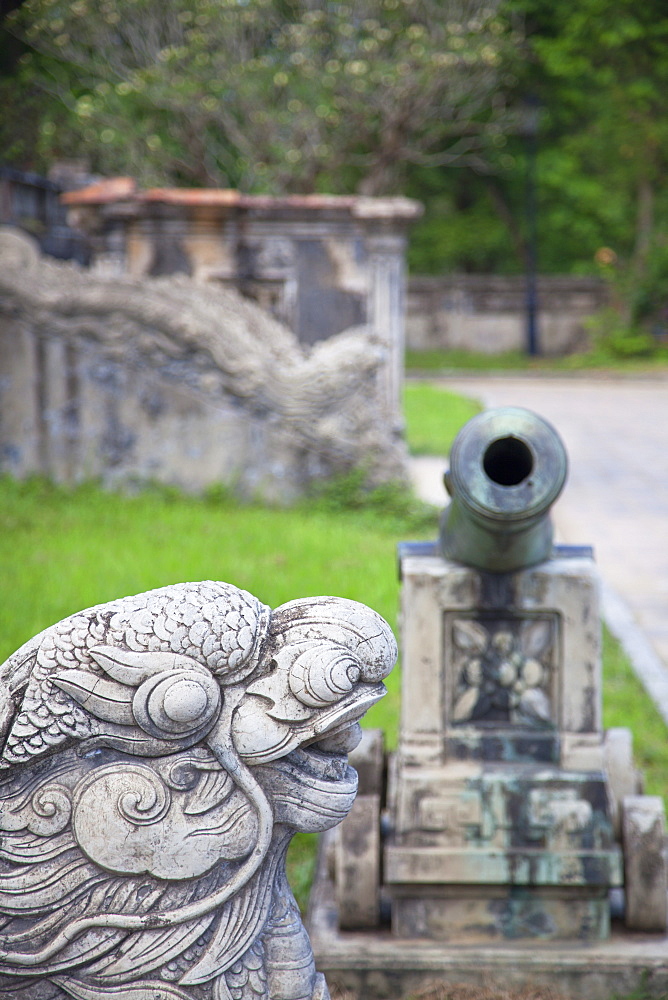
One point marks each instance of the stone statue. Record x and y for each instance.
(158, 753)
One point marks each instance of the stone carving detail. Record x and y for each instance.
(504, 670)
(158, 754)
(151, 363)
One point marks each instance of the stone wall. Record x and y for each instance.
(167, 379)
(32, 202)
(487, 313)
(320, 264)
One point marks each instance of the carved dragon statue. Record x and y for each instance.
(202, 338)
(158, 754)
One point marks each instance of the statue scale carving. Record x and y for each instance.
(159, 752)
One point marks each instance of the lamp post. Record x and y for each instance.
(531, 115)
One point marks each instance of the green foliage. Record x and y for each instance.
(461, 229)
(616, 343)
(393, 501)
(649, 293)
(265, 95)
(380, 97)
(632, 344)
(599, 70)
(606, 130)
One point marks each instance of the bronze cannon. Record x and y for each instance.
(507, 468)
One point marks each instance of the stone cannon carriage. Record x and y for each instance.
(508, 813)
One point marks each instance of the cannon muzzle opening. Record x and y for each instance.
(507, 467)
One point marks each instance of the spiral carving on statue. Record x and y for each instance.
(158, 753)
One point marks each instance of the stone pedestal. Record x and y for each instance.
(379, 965)
(502, 825)
(643, 831)
(513, 822)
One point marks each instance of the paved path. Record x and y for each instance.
(616, 496)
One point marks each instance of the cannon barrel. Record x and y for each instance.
(507, 467)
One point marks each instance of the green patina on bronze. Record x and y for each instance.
(507, 468)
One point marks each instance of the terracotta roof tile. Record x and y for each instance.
(110, 189)
(125, 189)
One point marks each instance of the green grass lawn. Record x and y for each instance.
(433, 417)
(595, 360)
(62, 550)
(626, 703)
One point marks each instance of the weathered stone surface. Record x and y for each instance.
(623, 778)
(357, 842)
(320, 264)
(368, 759)
(585, 752)
(501, 817)
(173, 381)
(486, 313)
(646, 885)
(455, 618)
(499, 781)
(470, 916)
(381, 966)
(158, 754)
(357, 861)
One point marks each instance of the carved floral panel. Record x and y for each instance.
(503, 669)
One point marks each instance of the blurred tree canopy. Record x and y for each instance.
(266, 95)
(598, 71)
(421, 97)
(602, 69)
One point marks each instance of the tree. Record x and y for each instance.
(599, 70)
(604, 65)
(270, 95)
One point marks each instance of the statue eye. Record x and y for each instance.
(322, 675)
(175, 705)
(185, 701)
